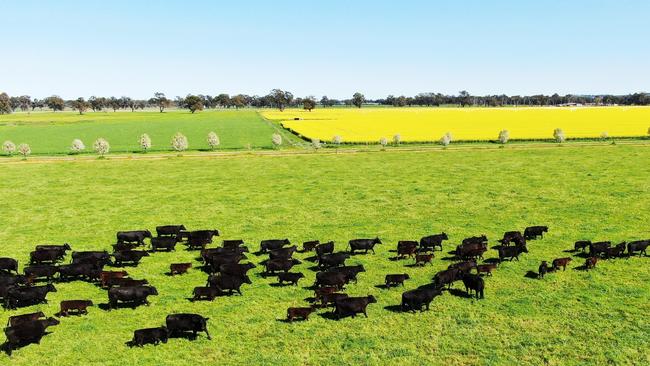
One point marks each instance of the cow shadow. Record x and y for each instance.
(581, 268)
(569, 251)
(310, 288)
(532, 275)
(394, 308)
(384, 287)
(183, 335)
(314, 268)
(583, 255)
(492, 261)
(284, 284)
(395, 259)
(459, 293)
(310, 299)
(330, 315)
(413, 265)
(312, 259)
(451, 259)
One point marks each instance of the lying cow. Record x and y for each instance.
(353, 306)
(178, 324)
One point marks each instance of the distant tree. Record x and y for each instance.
(397, 139)
(558, 135)
(464, 98)
(24, 150)
(5, 105)
(80, 105)
(238, 101)
(358, 99)
(223, 100)
(8, 147)
(213, 140)
(145, 142)
(281, 98)
(97, 104)
(101, 147)
(24, 102)
(179, 142)
(193, 103)
(55, 103)
(161, 101)
(38, 103)
(325, 101)
(309, 103)
(504, 136)
(113, 103)
(276, 139)
(77, 146)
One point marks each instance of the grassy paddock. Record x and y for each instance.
(574, 317)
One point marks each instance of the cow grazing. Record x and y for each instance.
(8, 265)
(283, 253)
(166, 243)
(77, 307)
(406, 248)
(475, 240)
(532, 232)
(205, 293)
(422, 259)
(105, 276)
(598, 249)
(309, 246)
(179, 268)
(136, 236)
(486, 268)
(511, 252)
(591, 263)
(236, 269)
(581, 245)
(273, 244)
(364, 245)
(542, 270)
(170, 230)
(178, 324)
(290, 277)
(149, 336)
(299, 313)
(325, 248)
(446, 277)
(333, 260)
(276, 265)
(396, 279)
(433, 241)
(350, 272)
(638, 246)
(228, 283)
(134, 295)
(19, 296)
(17, 320)
(615, 252)
(29, 332)
(561, 262)
(331, 279)
(131, 257)
(353, 306)
(474, 283)
(419, 298)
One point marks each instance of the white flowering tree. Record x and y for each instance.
(8, 147)
(604, 135)
(213, 140)
(179, 142)
(276, 139)
(504, 136)
(316, 144)
(336, 140)
(77, 146)
(558, 135)
(397, 139)
(101, 146)
(24, 150)
(383, 142)
(145, 142)
(445, 140)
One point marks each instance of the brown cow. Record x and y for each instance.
(591, 262)
(486, 268)
(322, 291)
(422, 259)
(299, 313)
(179, 268)
(106, 276)
(79, 307)
(561, 262)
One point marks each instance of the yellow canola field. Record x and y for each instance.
(429, 124)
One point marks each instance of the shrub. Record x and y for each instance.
(504, 136)
(77, 146)
(179, 142)
(558, 135)
(213, 140)
(24, 150)
(315, 143)
(397, 139)
(9, 148)
(276, 139)
(101, 146)
(145, 142)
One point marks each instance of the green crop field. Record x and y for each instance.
(568, 318)
(52, 133)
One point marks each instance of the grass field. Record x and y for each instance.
(52, 133)
(465, 124)
(572, 317)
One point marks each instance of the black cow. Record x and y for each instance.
(293, 278)
(638, 246)
(198, 239)
(350, 272)
(167, 243)
(331, 298)
(149, 336)
(597, 249)
(542, 270)
(283, 253)
(19, 296)
(616, 252)
(228, 282)
(463, 267)
(135, 295)
(205, 293)
(17, 320)
(8, 282)
(512, 237)
(422, 259)
(125, 282)
(581, 245)
(49, 256)
(60, 247)
(275, 265)
(417, 299)
(215, 261)
(333, 279)
(406, 248)
(78, 270)
(353, 306)
(532, 232)
(471, 250)
(309, 246)
(132, 257)
(273, 244)
(474, 283)
(446, 277)
(181, 323)
(299, 313)
(170, 230)
(30, 332)
(236, 269)
(233, 243)
(325, 248)
(433, 241)
(97, 258)
(8, 265)
(135, 236)
(396, 279)
(120, 247)
(363, 244)
(476, 240)
(333, 260)
(41, 271)
(511, 252)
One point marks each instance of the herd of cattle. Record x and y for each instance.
(227, 274)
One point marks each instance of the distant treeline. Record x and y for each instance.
(282, 99)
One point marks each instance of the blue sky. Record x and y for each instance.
(83, 48)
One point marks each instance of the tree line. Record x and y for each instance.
(282, 99)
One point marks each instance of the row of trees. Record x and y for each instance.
(282, 99)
